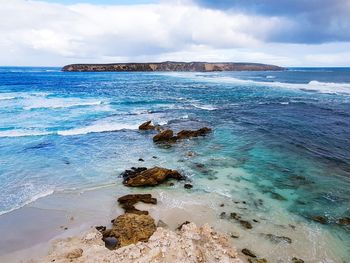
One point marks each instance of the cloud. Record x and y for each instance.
(41, 33)
(306, 21)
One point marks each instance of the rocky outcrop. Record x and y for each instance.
(165, 136)
(149, 177)
(127, 202)
(190, 244)
(168, 135)
(147, 126)
(131, 228)
(171, 66)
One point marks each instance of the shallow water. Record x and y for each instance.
(279, 137)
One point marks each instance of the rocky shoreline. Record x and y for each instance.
(135, 236)
(171, 66)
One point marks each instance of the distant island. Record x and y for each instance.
(171, 66)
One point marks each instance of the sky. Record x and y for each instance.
(292, 33)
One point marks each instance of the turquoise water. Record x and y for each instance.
(286, 132)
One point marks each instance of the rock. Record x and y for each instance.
(297, 260)
(184, 223)
(141, 160)
(164, 136)
(132, 228)
(185, 134)
(222, 205)
(344, 221)
(168, 135)
(190, 244)
(146, 126)
(132, 172)
(260, 260)
(75, 253)
(235, 216)
(234, 235)
(127, 202)
(278, 239)
(223, 215)
(320, 219)
(278, 196)
(149, 177)
(245, 224)
(249, 253)
(100, 228)
(188, 186)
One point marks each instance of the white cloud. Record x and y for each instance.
(40, 33)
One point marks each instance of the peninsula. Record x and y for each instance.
(171, 66)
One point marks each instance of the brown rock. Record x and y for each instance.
(249, 253)
(297, 260)
(132, 228)
(150, 177)
(127, 202)
(164, 136)
(185, 134)
(319, 219)
(245, 224)
(75, 253)
(146, 126)
(344, 221)
(278, 239)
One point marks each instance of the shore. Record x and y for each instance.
(71, 214)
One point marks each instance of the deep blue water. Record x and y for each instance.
(289, 130)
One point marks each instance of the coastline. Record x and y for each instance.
(96, 207)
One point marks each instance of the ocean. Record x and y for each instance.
(279, 151)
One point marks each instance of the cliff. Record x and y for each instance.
(170, 66)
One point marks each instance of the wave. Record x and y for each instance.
(97, 128)
(314, 85)
(27, 202)
(58, 103)
(94, 128)
(22, 133)
(204, 106)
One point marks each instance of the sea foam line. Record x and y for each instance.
(314, 85)
(30, 200)
(95, 128)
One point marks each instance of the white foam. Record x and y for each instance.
(30, 200)
(98, 127)
(56, 103)
(22, 133)
(270, 77)
(314, 85)
(204, 106)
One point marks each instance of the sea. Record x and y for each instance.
(279, 152)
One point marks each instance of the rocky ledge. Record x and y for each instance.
(171, 66)
(189, 244)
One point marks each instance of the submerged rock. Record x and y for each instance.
(127, 202)
(278, 239)
(149, 177)
(188, 186)
(344, 221)
(147, 126)
(320, 219)
(245, 224)
(75, 253)
(277, 196)
(249, 253)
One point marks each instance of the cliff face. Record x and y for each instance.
(171, 66)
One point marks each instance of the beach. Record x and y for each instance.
(66, 147)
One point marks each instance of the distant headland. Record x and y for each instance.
(171, 66)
